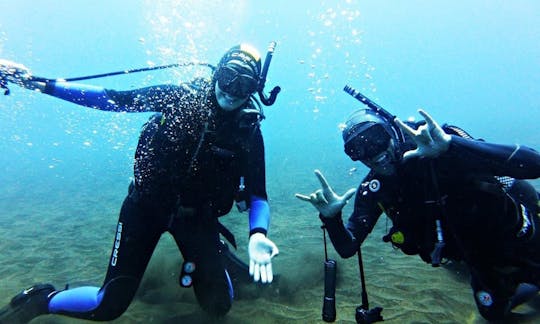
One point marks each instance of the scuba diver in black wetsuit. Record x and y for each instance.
(449, 197)
(200, 151)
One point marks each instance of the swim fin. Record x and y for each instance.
(28, 304)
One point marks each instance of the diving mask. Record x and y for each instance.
(235, 83)
(368, 144)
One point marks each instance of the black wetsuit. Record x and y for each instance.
(191, 162)
(481, 211)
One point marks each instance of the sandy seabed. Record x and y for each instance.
(63, 235)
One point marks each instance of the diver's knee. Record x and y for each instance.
(214, 303)
(214, 298)
(216, 308)
(490, 307)
(117, 296)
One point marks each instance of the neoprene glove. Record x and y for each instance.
(431, 140)
(325, 200)
(261, 251)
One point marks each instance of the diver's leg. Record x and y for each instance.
(137, 234)
(198, 240)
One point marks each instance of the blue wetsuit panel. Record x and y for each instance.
(82, 94)
(259, 215)
(81, 299)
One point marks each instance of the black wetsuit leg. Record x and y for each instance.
(139, 228)
(197, 237)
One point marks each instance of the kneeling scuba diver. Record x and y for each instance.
(224, 82)
(247, 117)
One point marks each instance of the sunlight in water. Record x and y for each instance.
(185, 30)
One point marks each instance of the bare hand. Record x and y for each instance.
(431, 140)
(325, 200)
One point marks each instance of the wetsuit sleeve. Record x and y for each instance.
(515, 161)
(259, 212)
(259, 215)
(347, 239)
(149, 99)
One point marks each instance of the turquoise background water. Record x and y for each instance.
(64, 169)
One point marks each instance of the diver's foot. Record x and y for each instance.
(28, 304)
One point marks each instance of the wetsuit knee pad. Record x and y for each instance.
(490, 307)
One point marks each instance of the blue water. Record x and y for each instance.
(471, 63)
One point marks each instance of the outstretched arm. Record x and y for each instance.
(516, 161)
(149, 99)
(81, 94)
(140, 100)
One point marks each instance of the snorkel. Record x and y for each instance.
(384, 114)
(385, 162)
(378, 109)
(267, 101)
